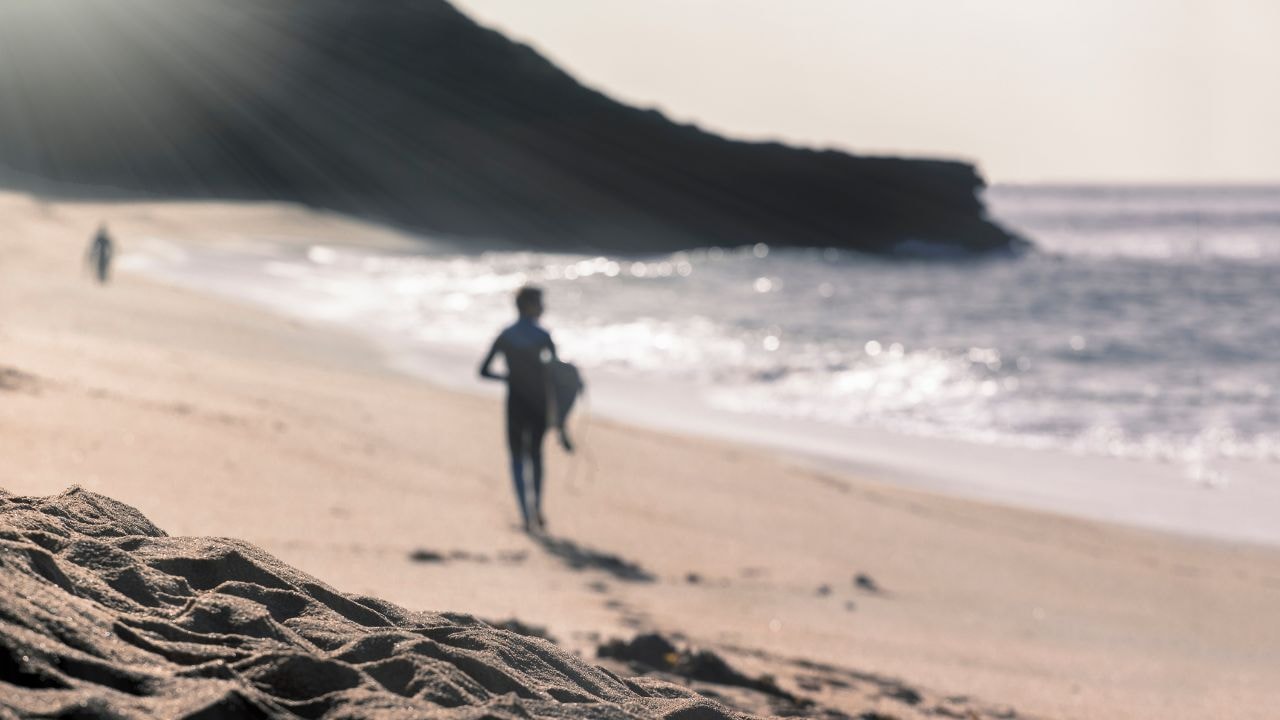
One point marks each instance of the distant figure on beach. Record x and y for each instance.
(99, 255)
(531, 406)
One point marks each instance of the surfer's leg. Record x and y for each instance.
(517, 476)
(536, 434)
(516, 439)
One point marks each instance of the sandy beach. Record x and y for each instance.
(215, 418)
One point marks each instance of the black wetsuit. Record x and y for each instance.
(100, 251)
(527, 350)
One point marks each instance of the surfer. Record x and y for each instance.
(99, 255)
(529, 354)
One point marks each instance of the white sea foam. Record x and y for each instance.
(1144, 327)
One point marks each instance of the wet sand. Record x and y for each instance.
(214, 418)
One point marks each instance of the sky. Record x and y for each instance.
(1154, 91)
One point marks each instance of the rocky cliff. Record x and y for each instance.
(406, 111)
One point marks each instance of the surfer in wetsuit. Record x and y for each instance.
(528, 352)
(99, 254)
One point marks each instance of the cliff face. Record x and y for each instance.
(406, 111)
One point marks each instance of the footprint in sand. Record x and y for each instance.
(14, 380)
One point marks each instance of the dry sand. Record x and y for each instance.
(213, 418)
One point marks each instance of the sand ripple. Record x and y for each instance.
(104, 615)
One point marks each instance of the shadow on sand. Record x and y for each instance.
(578, 557)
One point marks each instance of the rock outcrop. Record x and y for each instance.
(407, 112)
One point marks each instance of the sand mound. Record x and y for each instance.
(103, 615)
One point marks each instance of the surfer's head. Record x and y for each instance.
(529, 302)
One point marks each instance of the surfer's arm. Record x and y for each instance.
(485, 370)
(554, 418)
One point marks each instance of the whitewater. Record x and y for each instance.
(1138, 337)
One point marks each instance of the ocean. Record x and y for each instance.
(1143, 324)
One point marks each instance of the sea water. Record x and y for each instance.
(1144, 323)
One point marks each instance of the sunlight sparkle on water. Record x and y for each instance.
(989, 352)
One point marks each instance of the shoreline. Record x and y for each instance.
(214, 418)
(1147, 493)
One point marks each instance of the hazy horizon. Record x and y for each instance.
(1056, 92)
